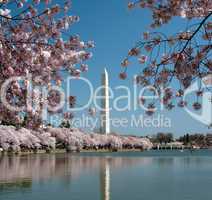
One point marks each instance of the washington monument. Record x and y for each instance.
(105, 104)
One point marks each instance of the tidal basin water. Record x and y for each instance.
(153, 175)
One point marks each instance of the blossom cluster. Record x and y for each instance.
(181, 58)
(35, 40)
(164, 11)
(12, 139)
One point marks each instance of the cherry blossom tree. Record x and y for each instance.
(24, 139)
(35, 42)
(181, 58)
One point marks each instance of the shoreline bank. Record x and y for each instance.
(64, 151)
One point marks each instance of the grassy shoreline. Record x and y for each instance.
(58, 151)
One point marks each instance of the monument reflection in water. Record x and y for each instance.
(175, 176)
(20, 172)
(105, 179)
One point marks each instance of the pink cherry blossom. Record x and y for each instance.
(35, 45)
(181, 58)
(72, 139)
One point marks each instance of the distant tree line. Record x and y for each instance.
(196, 139)
(199, 139)
(162, 138)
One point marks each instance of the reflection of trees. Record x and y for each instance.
(16, 185)
(19, 172)
(65, 167)
(164, 161)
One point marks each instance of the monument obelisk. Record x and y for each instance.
(105, 105)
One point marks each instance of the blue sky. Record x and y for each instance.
(115, 29)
